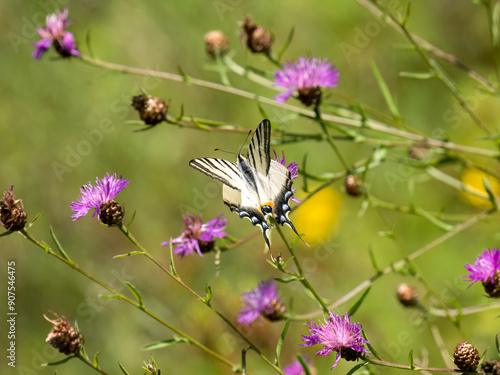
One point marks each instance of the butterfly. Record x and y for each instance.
(256, 186)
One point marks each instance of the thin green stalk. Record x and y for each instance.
(177, 279)
(493, 27)
(126, 299)
(379, 362)
(390, 268)
(89, 363)
(356, 123)
(303, 280)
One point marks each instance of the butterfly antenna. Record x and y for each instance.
(246, 139)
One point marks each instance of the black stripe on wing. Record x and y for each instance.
(258, 150)
(220, 170)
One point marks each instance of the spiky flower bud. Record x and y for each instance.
(111, 213)
(275, 311)
(216, 43)
(151, 109)
(12, 214)
(491, 366)
(259, 40)
(466, 356)
(352, 185)
(493, 287)
(63, 336)
(407, 295)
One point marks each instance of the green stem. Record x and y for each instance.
(368, 282)
(357, 122)
(126, 299)
(379, 362)
(303, 280)
(89, 363)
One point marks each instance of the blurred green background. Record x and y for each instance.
(50, 107)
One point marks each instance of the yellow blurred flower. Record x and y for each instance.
(473, 180)
(318, 216)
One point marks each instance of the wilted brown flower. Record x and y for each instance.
(12, 214)
(63, 336)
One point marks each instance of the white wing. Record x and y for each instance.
(258, 150)
(221, 170)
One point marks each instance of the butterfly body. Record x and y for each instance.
(254, 187)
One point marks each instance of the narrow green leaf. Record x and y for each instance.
(136, 252)
(434, 220)
(497, 343)
(410, 359)
(181, 113)
(131, 220)
(280, 343)
(372, 258)
(171, 260)
(386, 93)
(491, 195)
(358, 303)
(287, 43)
(58, 245)
(154, 345)
(417, 75)
(495, 24)
(182, 73)
(57, 363)
(135, 292)
(38, 215)
(96, 359)
(371, 348)
(208, 295)
(407, 14)
(110, 296)
(356, 368)
(199, 125)
(123, 369)
(288, 280)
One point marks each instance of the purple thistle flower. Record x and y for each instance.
(305, 76)
(262, 300)
(103, 192)
(337, 334)
(292, 167)
(198, 236)
(55, 33)
(295, 368)
(484, 267)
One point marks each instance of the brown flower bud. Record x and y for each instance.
(491, 366)
(111, 213)
(407, 295)
(259, 40)
(12, 214)
(216, 42)
(63, 336)
(466, 356)
(352, 185)
(151, 109)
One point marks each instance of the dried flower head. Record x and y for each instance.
(259, 40)
(306, 77)
(216, 43)
(407, 295)
(491, 366)
(337, 334)
(152, 110)
(198, 236)
(264, 301)
(466, 357)
(486, 269)
(55, 34)
(101, 198)
(293, 167)
(12, 214)
(63, 336)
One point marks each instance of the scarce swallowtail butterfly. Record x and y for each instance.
(256, 186)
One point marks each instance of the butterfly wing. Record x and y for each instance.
(221, 170)
(258, 150)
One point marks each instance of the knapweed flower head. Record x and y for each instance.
(101, 198)
(216, 43)
(259, 40)
(339, 335)
(152, 110)
(12, 214)
(63, 336)
(55, 34)
(263, 300)
(295, 368)
(198, 236)
(305, 76)
(486, 269)
(292, 167)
